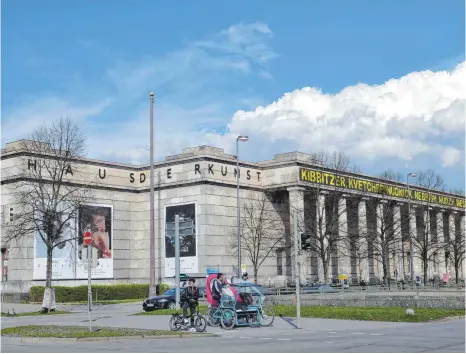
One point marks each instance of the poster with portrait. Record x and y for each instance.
(63, 255)
(98, 219)
(188, 244)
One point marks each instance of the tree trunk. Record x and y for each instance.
(47, 304)
(325, 265)
(48, 274)
(255, 274)
(457, 273)
(425, 266)
(385, 270)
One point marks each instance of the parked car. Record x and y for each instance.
(167, 300)
(324, 288)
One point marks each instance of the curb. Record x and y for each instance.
(36, 340)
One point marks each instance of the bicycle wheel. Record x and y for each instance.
(175, 324)
(267, 317)
(212, 317)
(200, 323)
(228, 320)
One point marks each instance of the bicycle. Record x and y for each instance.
(214, 316)
(177, 321)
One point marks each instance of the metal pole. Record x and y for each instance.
(152, 287)
(296, 252)
(177, 260)
(89, 286)
(238, 211)
(411, 234)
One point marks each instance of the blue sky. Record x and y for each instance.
(96, 61)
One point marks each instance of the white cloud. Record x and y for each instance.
(420, 113)
(450, 157)
(240, 48)
(20, 121)
(175, 128)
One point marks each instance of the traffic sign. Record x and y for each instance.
(87, 238)
(243, 268)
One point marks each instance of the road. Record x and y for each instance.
(315, 335)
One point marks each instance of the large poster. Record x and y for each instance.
(188, 244)
(64, 255)
(98, 219)
(69, 257)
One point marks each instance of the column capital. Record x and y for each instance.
(362, 199)
(296, 189)
(345, 195)
(324, 192)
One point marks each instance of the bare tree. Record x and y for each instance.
(261, 229)
(456, 247)
(338, 161)
(426, 244)
(457, 191)
(385, 237)
(46, 204)
(391, 175)
(327, 225)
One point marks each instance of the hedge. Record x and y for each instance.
(99, 292)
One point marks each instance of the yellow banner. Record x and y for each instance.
(362, 185)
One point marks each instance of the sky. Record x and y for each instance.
(382, 81)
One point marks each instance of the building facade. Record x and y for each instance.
(200, 185)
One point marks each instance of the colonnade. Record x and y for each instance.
(367, 228)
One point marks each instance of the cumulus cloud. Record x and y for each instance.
(420, 113)
(450, 157)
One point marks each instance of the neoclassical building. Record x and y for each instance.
(200, 185)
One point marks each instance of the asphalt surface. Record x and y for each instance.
(315, 335)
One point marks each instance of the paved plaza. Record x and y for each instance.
(315, 335)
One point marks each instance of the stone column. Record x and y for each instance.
(321, 215)
(379, 227)
(399, 266)
(441, 241)
(413, 233)
(428, 236)
(363, 265)
(296, 196)
(462, 231)
(344, 249)
(451, 236)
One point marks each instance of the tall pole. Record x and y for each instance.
(297, 270)
(152, 287)
(411, 234)
(238, 212)
(89, 286)
(177, 260)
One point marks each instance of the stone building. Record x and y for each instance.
(200, 185)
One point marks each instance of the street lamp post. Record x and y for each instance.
(411, 174)
(152, 287)
(238, 212)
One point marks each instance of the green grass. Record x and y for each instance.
(384, 314)
(36, 313)
(83, 332)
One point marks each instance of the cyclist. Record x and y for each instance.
(189, 299)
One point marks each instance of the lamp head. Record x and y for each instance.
(242, 138)
(412, 174)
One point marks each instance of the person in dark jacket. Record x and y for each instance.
(189, 299)
(217, 287)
